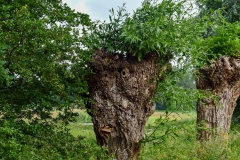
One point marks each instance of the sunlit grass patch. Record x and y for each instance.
(77, 129)
(174, 115)
(177, 138)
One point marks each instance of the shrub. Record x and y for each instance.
(20, 140)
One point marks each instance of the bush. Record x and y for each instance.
(20, 140)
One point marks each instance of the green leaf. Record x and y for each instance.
(139, 57)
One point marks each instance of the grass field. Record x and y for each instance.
(174, 139)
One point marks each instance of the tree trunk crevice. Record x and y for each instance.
(222, 79)
(122, 91)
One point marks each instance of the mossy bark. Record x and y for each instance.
(122, 90)
(222, 80)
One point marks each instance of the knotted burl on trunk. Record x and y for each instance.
(122, 90)
(222, 79)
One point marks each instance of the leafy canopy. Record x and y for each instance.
(42, 68)
(222, 37)
(168, 28)
(41, 58)
(224, 41)
(230, 8)
(154, 27)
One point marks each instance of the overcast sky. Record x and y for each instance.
(99, 9)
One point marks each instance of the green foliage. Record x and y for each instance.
(154, 27)
(175, 95)
(162, 122)
(222, 36)
(207, 6)
(106, 35)
(20, 140)
(42, 68)
(224, 41)
(231, 8)
(42, 63)
(4, 76)
(166, 28)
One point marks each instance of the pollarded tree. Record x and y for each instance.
(220, 74)
(131, 56)
(219, 79)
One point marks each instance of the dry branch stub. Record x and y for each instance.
(222, 79)
(122, 89)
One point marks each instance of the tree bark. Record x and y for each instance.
(222, 80)
(122, 91)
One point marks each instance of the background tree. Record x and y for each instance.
(41, 51)
(231, 8)
(42, 69)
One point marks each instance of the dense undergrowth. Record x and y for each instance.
(21, 141)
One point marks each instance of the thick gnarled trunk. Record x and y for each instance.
(222, 79)
(122, 89)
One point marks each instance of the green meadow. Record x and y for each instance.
(168, 137)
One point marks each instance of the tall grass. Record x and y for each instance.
(173, 139)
